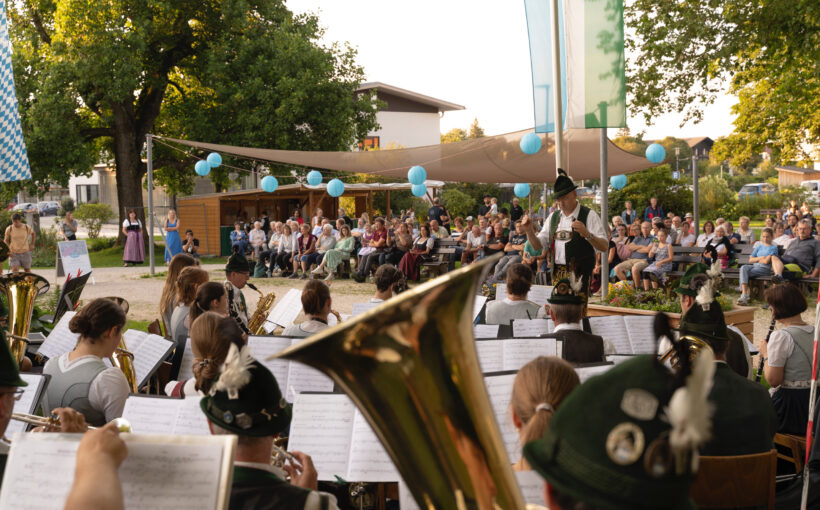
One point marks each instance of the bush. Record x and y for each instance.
(715, 197)
(5, 221)
(92, 217)
(672, 194)
(67, 205)
(45, 249)
(101, 243)
(458, 203)
(658, 300)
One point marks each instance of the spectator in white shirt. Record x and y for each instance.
(474, 244)
(686, 238)
(257, 238)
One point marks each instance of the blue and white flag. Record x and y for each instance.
(13, 157)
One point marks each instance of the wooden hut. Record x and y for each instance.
(212, 216)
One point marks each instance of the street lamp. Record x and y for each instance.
(677, 162)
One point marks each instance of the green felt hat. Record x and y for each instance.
(237, 263)
(708, 324)
(563, 184)
(246, 399)
(608, 443)
(564, 294)
(9, 371)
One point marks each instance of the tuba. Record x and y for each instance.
(257, 321)
(21, 289)
(122, 357)
(696, 346)
(411, 367)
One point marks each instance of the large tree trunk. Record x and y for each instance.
(129, 168)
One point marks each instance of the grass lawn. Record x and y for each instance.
(138, 325)
(112, 257)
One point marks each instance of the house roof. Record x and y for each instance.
(797, 169)
(443, 106)
(696, 140)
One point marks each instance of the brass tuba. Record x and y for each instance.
(256, 322)
(122, 357)
(21, 290)
(411, 367)
(696, 346)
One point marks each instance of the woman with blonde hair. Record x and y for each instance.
(539, 388)
(187, 284)
(173, 243)
(168, 300)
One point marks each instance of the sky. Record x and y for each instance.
(470, 52)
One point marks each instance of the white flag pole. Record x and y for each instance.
(556, 87)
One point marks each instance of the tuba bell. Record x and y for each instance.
(21, 290)
(696, 346)
(411, 368)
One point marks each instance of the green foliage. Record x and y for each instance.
(458, 134)
(672, 194)
(631, 144)
(458, 203)
(45, 248)
(715, 196)
(658, 300)
(5, 220)
(92, 217)
(475, 191)
(101, 243)
(68, 205)
(684, 162)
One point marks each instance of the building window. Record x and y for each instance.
(370, 143)
(88, 193)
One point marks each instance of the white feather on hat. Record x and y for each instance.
(689, 410)
(236, 372)
(714, 272)
(576, 282)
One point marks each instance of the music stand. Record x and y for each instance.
(70, 295)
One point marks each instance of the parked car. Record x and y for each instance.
(814, 191)
(48, 208)
(25, 207)
(756, 188)
(585, 192)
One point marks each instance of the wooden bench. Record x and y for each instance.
(442, 249)
(775, 213)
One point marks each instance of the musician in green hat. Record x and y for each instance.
(626, 439)
(10, 384)
(745, 420)
(571, 234)
(237, 274)
(246, 401)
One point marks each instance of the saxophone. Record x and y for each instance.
(257, 321)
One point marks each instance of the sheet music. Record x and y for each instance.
(485, 331)
(538, 294)
(151, 415)
(285, 311)
(617, 359)
(532, 327)
(322, 426)
(518, 352)
(612, 328)
(499, 388)
(360, 308)
(490, 355)
(532, 487)
(585, 373)
(186, 370)
(28, 403)
(160, 472)
(149, 350)
(262, 347)
(61, 339)
(478, 305)
(302, 378)
(368, 460)
(641, 333)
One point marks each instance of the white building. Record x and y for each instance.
(409, 120)
(101, 187)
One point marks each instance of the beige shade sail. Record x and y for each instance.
(489, 159)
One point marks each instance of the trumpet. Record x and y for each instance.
(53, 421)
(337, 315)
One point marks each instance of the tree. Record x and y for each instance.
(683, 53)
(454, 135)
(672, 194)
(245, 72)
(92, 217)
(476, 131)
(632, 144)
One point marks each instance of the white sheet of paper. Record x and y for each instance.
(60, 340)
(531, 327)
(532, 487)
(406, 499)
(641, 333)
(585, 373)
(752, 349)
(360, 308)
(322, 425)
(302, 378)
(369, 461)
(160, 472)
(517, 352)
(148, 351)
(186, 370)
(159, 415)
(538, 294)
(490, 355)
(27, 403)
(478, 305)
(485, 331)
(613, 328)
(286, 310)
(499, 388)
(262, 347)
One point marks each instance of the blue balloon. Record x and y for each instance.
(214, 159)
(314, 178)
(335, 188)
(655, 153)
(617, 181)
(530, 143)
(417, 175)
(418, 190)
(269, 183)
(522, 189)
(202, 168)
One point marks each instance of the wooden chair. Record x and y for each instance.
(154, 328)
(797, 445)
(736, 481)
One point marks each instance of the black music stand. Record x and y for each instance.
(69, 296)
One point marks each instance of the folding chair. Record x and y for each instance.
(736, 481)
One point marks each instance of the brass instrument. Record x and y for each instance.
(122, 357)
(337, 315)
(411, 367)
(696, 345)
(54, 422)
(257, 321)
(21, 290)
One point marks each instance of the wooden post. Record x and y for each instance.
(310, 208)
(370, 205)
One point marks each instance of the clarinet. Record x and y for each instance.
(759, 373)
(232, 310)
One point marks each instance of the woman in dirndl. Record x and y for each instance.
(134, 248)
(788, 358)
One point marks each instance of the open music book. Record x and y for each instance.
(149, 414)
(339, 439)
(538, 294)
(478, 305)
(499, 388)
(514, 353)
(360, 308)
(485, 331)
(160, 472)
(285, 310)
(29, 402)
(532, 327)
(60, 340)
(630, 334)
(586, 371)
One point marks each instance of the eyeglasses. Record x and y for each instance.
(18, 394)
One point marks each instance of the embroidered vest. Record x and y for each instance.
(577, 248)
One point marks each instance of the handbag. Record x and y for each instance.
(623, 251)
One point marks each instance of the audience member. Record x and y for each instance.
(239, 238)
(639, 258)
(802, 257)
(661, 253)
(378, 243)
(305, 245)
(257, 239)
(474, 243)
(513, 253)
(337, 255)
(629, 215)
(746, 234)
(410, 263)
(686, 238)
(284, 253)
(708, 234)
(653, 210)
(760, 264)
(516, 212)
(325, 242)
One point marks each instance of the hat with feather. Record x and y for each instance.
(246, 399)
(563, 184)
(237, 263)
(705, 318)
(568, 291)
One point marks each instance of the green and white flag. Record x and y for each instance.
(591, 35)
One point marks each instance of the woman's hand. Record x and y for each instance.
(301, 471)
